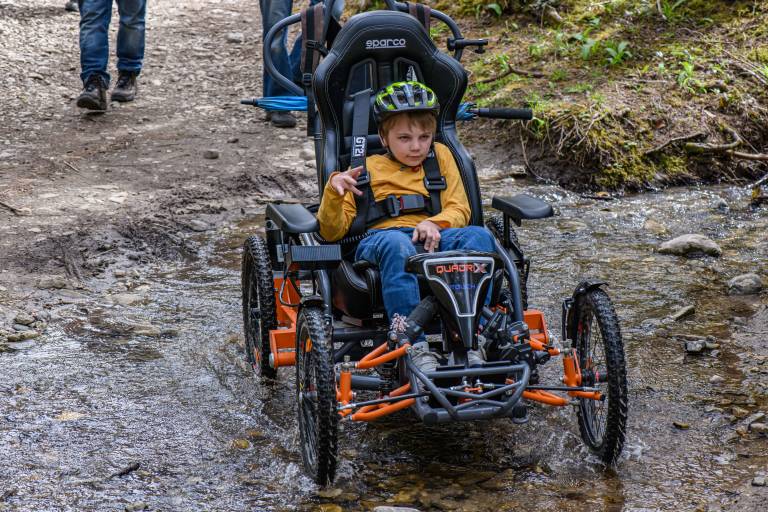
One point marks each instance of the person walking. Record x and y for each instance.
(288, 64)
(95, 16)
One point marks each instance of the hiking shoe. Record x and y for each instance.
(126, 87)
(281, 119)
(94, 95)
(71, 6)
(423, 358)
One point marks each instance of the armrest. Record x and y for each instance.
(292, 218)
(522, 206)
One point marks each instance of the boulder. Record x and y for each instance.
(745, 284)
(688, 244)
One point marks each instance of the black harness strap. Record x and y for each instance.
(421, 13)
(434, 181)
(360, 111)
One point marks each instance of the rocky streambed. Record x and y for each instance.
(135, 392)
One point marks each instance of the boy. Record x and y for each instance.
(406, 113)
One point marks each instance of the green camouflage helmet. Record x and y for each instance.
(401, 97)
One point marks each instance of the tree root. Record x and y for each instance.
(727, 148)
(670, 142)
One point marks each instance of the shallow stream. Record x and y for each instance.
(151, 403)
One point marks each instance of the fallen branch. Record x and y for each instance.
(670, 142)
(510, 71)
(750, 156)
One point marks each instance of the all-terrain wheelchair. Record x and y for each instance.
(307, 304)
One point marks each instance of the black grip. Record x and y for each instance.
(525, 114)
(250, 101)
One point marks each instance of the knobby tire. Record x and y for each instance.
(259, 315)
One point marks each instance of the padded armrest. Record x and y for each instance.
(292, 218)
(522, 206)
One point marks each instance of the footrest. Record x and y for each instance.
(313, 257)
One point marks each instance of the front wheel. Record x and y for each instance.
(316, 395)
(597, 338)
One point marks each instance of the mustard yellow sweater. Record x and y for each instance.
(388, 177)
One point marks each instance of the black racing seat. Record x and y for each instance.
(372, 50)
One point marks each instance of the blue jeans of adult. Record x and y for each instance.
(287, 64)
(390, 248)
(95, 16)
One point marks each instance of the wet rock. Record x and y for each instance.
(21, 328)
(720, 204)
(69, 416)
(759, 428)
(655, 227)
(133, 507)
(24, 319)
(758, 481)
(210, 154)
(682, 313)
(307, 154)
(233, 140)
(235, 37)
(198, 225)
(739, 412)
(689, 244)
(21, 336)
(754, 418)
(52, 283)
(385, 508)
(745, 284)
(681, 425)
(126, 299)
(148, 330)
(694, 346)
(329, 493)
(241, 444)
(716, 379)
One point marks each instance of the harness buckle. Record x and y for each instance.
(317, 45)
(363, 179)
(393, 204)
(306, 79)
(438, 184)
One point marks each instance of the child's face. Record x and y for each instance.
(408, 142)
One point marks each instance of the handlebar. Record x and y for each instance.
(524, 114)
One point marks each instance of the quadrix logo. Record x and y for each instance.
(379, 44)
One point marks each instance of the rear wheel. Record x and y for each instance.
(597, 338)
(259, 315)
(316, 396)
(496, 224)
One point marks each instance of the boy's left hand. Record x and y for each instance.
(428, 232)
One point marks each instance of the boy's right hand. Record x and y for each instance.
(346, 181)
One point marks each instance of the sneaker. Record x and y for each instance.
(281, 119)
(94, 95)
(424, 359)
(126, 86)
(71, 6)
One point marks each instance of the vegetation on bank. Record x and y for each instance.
(627, 94)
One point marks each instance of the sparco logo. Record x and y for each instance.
(358, 147)
(376, 44)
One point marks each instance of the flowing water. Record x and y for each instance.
(152, 405)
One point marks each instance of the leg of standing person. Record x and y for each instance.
(94, 52)
(71, 6)
(130, 48)
(273, 11)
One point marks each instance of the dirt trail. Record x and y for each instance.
(82, 191)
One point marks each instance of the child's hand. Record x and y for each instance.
(346, 181)
(428, 232)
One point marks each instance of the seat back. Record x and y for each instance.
(372, 50)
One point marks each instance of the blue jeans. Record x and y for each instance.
(288, 64)
(390, 248)
(95, 16)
